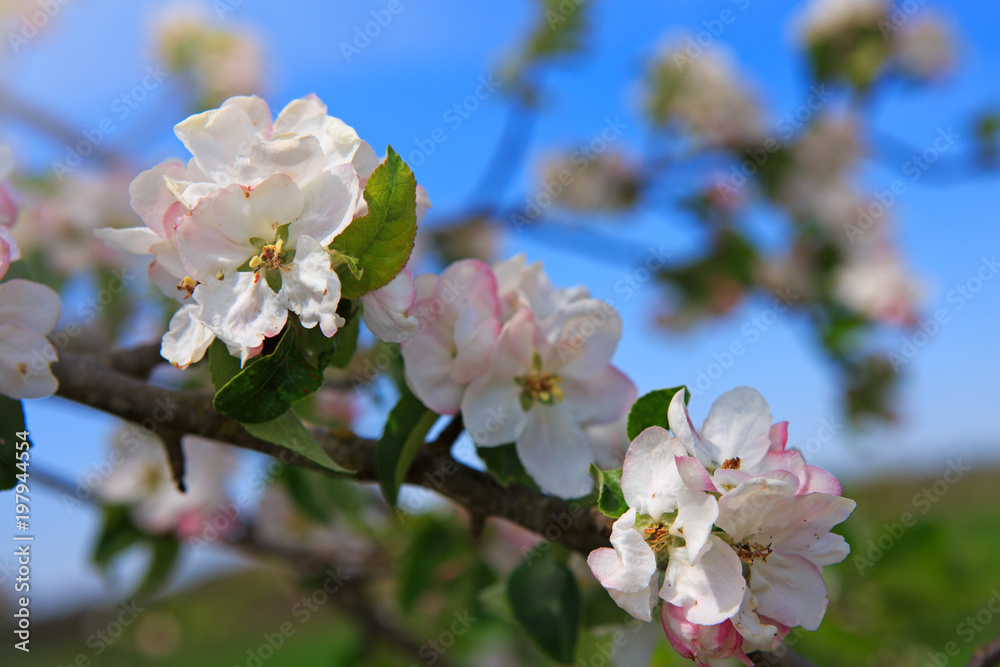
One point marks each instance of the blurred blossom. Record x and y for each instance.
(61, 223)
(874, 281)
(925, 47)
(142, 479)
(704, 93)
(829, 19)
(334, 405)
(474, 238)
(606, 182)
(280, 523)
(223, 62)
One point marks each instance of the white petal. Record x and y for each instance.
(709, 592)
(28, 312)
(240, 311)
(555, 452)
(650, 480)
(187, 339)
(601, 399)
(311, 289)
(587, 337)
(386, 310)
(491, 409)
(790, 590)
(738, 426)
(330, 200)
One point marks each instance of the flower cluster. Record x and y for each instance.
(28, 311)
(525, 363)
(239, 234)
(737, 524)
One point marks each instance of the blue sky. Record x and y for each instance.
(432, 55)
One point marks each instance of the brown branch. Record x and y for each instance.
(92, 381)
(987, 655)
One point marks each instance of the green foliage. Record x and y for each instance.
(545, 600)
(378, 245)
(608, 486)
(12, 419)
(119, 534)
(503, 463)
(651, 410)
(268, 385)
(404, 434)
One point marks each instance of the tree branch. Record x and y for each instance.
(987, 655)
(92, 381)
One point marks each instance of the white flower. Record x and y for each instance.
(540, 392)
(459, 321)
(141, 478)
(386, 310)
(28, 313)
(925, 47)
(826, 19)
(874, 282)
(522, 285)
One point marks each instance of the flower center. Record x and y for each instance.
(269, 258)
(731, 464)
(660, 534)
(750, 551)
(187, 285)
(539, 386)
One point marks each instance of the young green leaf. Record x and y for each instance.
(117, 534)
(378, 245)
(546, 602)
(404, 434)
(503, 463)
(287, 431)
(651, 410)
(267, 387)
(610, 499)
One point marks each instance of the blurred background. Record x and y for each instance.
(796, 196)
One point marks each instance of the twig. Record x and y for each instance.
(175, 457)
(87, 380)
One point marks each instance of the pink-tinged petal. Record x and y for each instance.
(789, 589)
(297, 156)
(818, 480)
(694, 474)
(330, 200)
(28, 312)
(696, 515)
(586, 340)
(311, 289)
(135, 240)
(555, 452)
(605, 563)
(601, 399)
(423, 203)
(492, 412)
(9, 204)
(803, 522)
(750, 508)
(386, 310)
(727, 480)
(9, 251)
(738, 426)
(650, 481)
(700, 642)
(428, 363)
(787, 460)
(637, 562)
(515, 346)
(683, 429)
(240, 311)
(754, 630)
(150, 197)
(473, 353)
(711, 591)
(216, 235)
(187, 339)
(827, 550)
(778, 436)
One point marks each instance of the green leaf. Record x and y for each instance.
(287, 431)
(12, 419)
(404, 434)
(610, 499)
(267, 386)
(165, 549)
(222, 366)
(117, 535)
(435, 543)
(546, 602)
(380, 242)
(347, 342)
(503, 463)
(651, 410)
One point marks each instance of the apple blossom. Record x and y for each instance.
(142, 480)
(702, 642)
(28, 313)
(459, 321)
(386, 310)
(542, 388)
